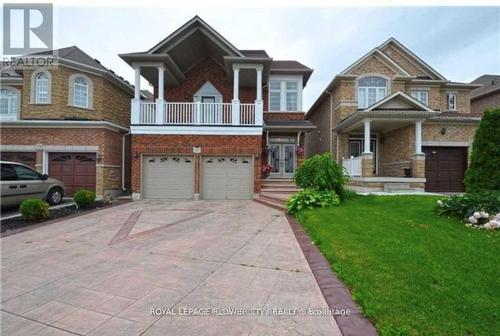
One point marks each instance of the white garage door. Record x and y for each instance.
(168, 176)
(227, 177)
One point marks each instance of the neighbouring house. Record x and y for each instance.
(219, 113)
(487, 96)
(70, 121)
(395, 123)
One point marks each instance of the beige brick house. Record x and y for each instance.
(487, 96)
(395, 123)
(70, 121)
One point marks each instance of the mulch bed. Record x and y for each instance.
(18, 224)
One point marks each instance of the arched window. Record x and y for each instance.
(9, 103)
(81, 92)
(371, 89)
(42, 88)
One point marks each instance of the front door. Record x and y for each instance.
(282, 158)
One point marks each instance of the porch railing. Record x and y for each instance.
(352, 165)
(194, 113)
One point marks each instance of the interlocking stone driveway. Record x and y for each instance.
(100, 274)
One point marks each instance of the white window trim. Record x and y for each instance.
(283, 79)
(426, 91)
(448, 94)
(207, 90)
(17, 116)
(33, 87)
(71, 91)
(387, 86)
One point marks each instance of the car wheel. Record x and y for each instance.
(55, 196)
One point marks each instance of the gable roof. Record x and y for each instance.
(415, 58)
(383, 57)
(490, 84)
(195, 23)
(402, 97)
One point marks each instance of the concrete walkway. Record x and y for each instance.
(102, 273)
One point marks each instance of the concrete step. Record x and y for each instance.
(278, 205)
(278, 185)
(284, 181)
(282, 190)
(280, 197)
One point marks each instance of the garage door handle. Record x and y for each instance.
(22, 186)
(13, 187)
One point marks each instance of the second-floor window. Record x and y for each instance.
(371, 89)
(421, 95)
(9, 103)
(42, 88)
(80, 92)
(284, 95)
(452, 101)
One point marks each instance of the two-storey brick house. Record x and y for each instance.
(395, 123)
(218, 115)
(69, 121)
(487, 96)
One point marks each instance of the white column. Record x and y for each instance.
(235, 108)
(136, 102)
(259, 84)
(367, 136)
(418, 137)
(259, 106)
(160, 101)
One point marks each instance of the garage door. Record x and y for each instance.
(76, 170)
(27, 158)
(445, 168)
(168, 177)
(228, 177)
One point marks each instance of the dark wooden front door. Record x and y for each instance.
(76, 170)
(26, 158)
(445, 168)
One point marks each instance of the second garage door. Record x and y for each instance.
(445, 168)
(76, 170)
(168, 176)
(27, 158)
(227, 177)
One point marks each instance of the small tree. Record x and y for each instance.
(321, 173)
(484, 168)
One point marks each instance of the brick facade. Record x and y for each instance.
(482, 103)
(183, 144)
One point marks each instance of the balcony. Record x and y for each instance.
(195, 113)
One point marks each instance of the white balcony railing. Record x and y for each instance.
(352, 165)
(187, 113)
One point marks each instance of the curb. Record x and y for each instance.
(336, 294)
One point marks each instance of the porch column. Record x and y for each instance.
(418, 137)
(367, 136)
(136, 102)
(160, 101)
(235, 112)
(258, 102)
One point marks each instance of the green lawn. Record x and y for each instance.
(412, 271)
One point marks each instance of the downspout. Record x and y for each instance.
(330, 123)
(123, 160)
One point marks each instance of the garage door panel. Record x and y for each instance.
(445, 168)
(76, 170)
(169, 176)
(227, 177)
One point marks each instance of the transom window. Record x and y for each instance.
(81, 92)
(42, 88)
(371, 89)
(421, 95)
(284, 95)
(452, 101)
(9, 102)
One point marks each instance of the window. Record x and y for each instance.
(371, 89)
(421, 95)
(274, 95)
(9, 102)
(25, 173)
(42, 88)
(8, 173)
(80, 92)
(452, 101)
(284, 95)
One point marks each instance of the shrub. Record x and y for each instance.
(84, 198)
(466, 205)
(309, 199)
(34, 209)
(483, 172)
(321, 173)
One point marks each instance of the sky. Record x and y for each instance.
(461, 43)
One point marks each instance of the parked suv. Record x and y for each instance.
(20, 182)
